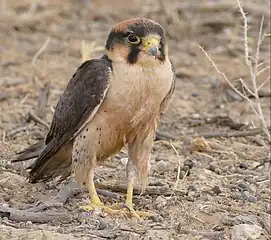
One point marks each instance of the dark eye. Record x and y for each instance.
(133, 39)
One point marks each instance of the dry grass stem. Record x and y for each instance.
(253, 65)
(40, 51)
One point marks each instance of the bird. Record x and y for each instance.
(109, 103)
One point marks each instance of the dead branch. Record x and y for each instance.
(164, 191)
(59, 200)
(25, 215)
(108, 194)
(17, 130)
(42, 100)
(66, 193)
(253, 132)
(35, 118)
(163, 136)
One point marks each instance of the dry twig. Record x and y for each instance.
(25, 215)
(254, 72)
(34, 117)
(40, 51)
(150, 190)
(252, 132)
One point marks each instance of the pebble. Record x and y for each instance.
(268, 209)
(28, 223)
(159, 158)
(246, 232)
(101, 225)
(156, 218)
(252, 199)
(243, 165)
(214, 169)
(182, 174)
(243, 186)
(245, 194)
(160, 200)
(192, 188)
(189, 163)
(61, 230)
(216, 190)
(237, 196)
(162, 166)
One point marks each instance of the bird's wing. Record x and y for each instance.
(81, 99)
(165, 101)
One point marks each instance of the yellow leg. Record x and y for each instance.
(94, 198)
(129, 196)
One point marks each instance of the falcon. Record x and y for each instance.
(109, 103)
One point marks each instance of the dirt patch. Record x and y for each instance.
(224, 165)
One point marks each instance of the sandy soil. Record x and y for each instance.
(221, 186)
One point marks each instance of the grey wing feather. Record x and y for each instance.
(85, 91)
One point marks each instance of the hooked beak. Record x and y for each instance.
(151, 46)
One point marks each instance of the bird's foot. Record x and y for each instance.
(96, 203)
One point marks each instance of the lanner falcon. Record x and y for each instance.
(109, 103)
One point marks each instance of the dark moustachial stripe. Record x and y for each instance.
(162, 50)
(132, 57)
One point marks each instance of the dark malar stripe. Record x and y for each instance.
(132, 57)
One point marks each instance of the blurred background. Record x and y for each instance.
(42, 44)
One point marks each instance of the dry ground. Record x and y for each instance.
(220, 186)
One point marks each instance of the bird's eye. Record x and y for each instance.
(133, 39)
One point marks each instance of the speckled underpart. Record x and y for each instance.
(125, 118)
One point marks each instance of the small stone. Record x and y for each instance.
(245, 194)
(102, 225)
(216, 190)
(189, 163)
(246, 231)
(28, 223)
(124, 160)
(159, 158)
(214, 169)
(252, 199)
(156, 218)
(237, 196)
(243, 186)
(195, 94)
(162, 166)
(268, 209)
(218, 171)
(243, 165)
(160, 200)
(60, 230)
(186, 169)
(192, 188)
(182, 174)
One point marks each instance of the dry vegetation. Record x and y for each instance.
(213, 138)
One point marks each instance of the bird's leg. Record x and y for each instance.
(139, 154)
(129, 196)
(94, 198)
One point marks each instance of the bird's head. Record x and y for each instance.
(140, 41)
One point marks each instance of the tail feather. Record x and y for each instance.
(50, 165)
(31, 152)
